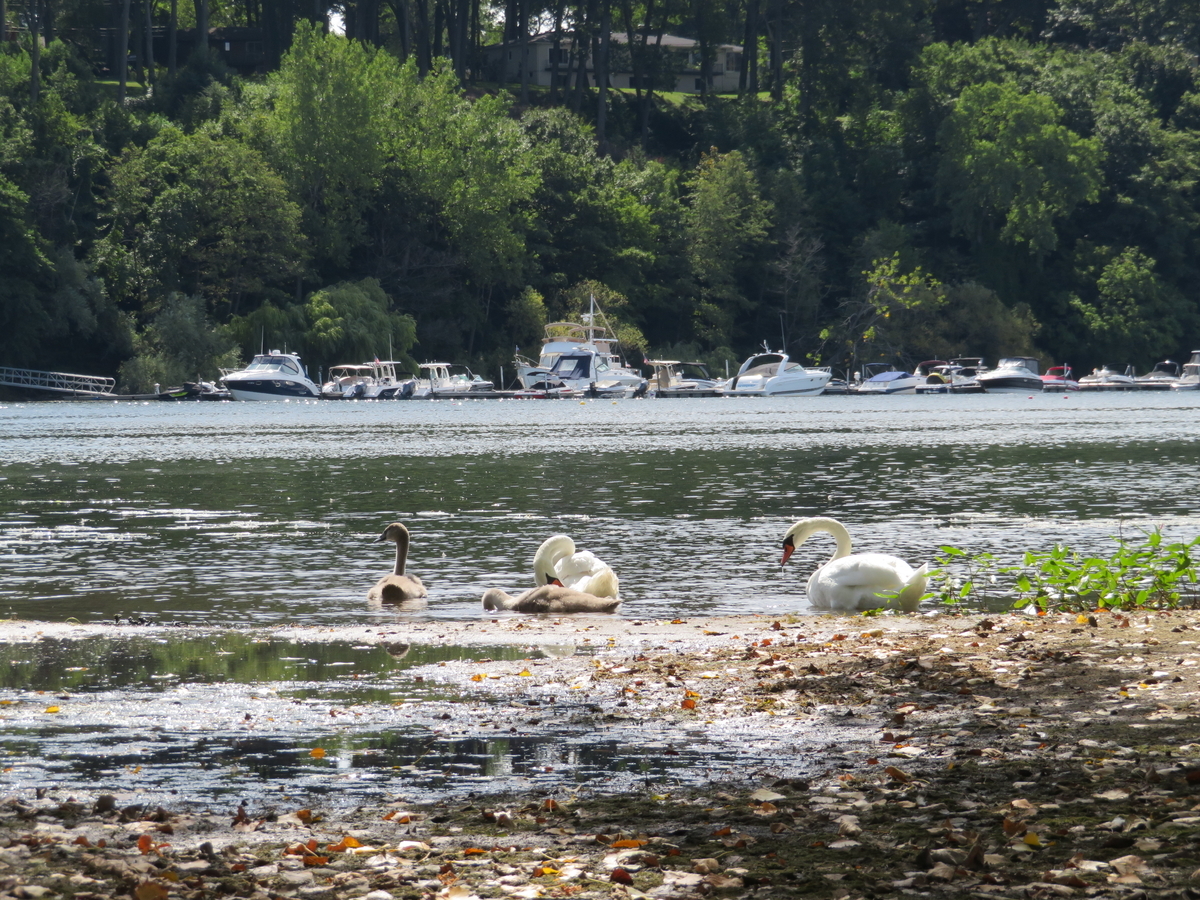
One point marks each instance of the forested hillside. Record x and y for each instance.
(896, 180)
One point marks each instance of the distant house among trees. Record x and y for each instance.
(241, 48)
(675, 63)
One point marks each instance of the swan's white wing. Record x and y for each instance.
(855, 582)
(583, 571)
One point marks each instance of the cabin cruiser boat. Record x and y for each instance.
(607, 370)
(1190, 379)
(591, 372)
(1058, 378)
(673, 378)
(369, 381)
(1160, 378)
(1106, 379)
(772, 374)
(438, 379)
(271, 376)
(1012, 374)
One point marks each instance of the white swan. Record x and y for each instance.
(557, 561)
(855, 582)
(550, 598)
(397, 587)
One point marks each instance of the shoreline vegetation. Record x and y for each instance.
(1006, 755)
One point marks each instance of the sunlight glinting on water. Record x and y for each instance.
(258, 513)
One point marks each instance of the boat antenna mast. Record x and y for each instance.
(596, 308)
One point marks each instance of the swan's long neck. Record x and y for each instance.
(401, 552)
(840, 534)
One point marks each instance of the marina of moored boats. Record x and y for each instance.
(578, 361)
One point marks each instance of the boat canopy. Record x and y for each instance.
(884, 377)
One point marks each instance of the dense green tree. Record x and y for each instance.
(726, 221)
(1010, 171)
(181, 343)
(199, 214)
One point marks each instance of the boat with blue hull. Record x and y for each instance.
(272, 376)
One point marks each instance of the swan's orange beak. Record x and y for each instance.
(555, 582)
(789, 547)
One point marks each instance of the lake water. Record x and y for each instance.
(265, 513)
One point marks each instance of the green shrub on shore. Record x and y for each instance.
(1150, 574)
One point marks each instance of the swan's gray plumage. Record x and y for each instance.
(397, 587)
(550, 599)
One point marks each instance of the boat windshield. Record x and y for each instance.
(573, 366)
(273, 364)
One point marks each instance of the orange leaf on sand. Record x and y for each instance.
(311, 861)
(897, 774)
(478, 676)
(305, 816)
(145, 843)
(620, 876)
(688, 703)
(628, 844)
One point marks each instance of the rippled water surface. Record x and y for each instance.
(263, 513)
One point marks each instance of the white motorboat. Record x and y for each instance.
(673, 378)
(899, 382)
(1160, 378)
(369, 381)
(1190, 379)
(967, 370)
(605, 372)
(772, 374)
(1106, 379)
(271, 376)
(1013, 374)
(1058, 378)
(439, 379)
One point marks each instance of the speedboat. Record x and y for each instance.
(605, 373)
(1190, 379)
(1106, 379)
(1012, 374)
(1160, 378)
(439, 379)
(370, 381)
(673, 378)
(967, 370)
(896, 382)
(271, 376)
(772, 374)
(1058, 378)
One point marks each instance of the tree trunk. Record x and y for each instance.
(3, 21)
(602, 78)
(202, 26)
(556, 51)
(750, 51)
(776, 36)
(423, 38)
(150, 39)
(35, 50)
(523, 24)
(173, 40)
(123, 53)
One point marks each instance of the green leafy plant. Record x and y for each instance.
(961, 577)
(1151, 574)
